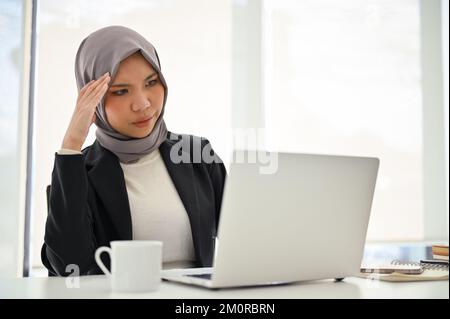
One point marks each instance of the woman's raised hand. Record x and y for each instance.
(84, 113)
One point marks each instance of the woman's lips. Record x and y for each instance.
(143, 123)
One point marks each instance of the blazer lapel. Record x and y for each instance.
(183, 178)
(107, 178)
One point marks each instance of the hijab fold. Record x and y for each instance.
(101, 52)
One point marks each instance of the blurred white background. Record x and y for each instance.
(12, 150)
(325, 76)
(344, 77)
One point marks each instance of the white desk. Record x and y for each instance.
(98, 287)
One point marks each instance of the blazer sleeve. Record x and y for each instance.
(69, 240)
(218, 174)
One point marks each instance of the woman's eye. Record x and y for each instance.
(152, 82)
(120, 92)
(124, 91)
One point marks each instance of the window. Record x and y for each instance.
(344, 77)
(14, 41)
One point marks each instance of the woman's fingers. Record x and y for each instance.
(86, 86)
(92, 85)
(98, 83)
(84, 113)
(97, 88)
(95, 95)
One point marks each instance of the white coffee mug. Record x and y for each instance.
(135, 264)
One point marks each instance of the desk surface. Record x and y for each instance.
(98, 287)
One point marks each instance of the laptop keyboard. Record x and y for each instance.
(203, 276)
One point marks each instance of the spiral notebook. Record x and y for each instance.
(430, 272)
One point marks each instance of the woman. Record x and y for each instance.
(137, 181)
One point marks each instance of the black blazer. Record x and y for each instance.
(88, 204)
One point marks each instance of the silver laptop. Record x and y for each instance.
(305, 220)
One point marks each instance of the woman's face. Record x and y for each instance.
(136, 94)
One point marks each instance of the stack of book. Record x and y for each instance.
(412, 270)
(440, 252)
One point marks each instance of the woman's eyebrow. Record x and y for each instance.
(125, 84)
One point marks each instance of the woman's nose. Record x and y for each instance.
(140, 103)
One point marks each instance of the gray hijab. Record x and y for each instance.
(101, 52)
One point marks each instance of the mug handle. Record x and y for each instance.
(99, 262)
